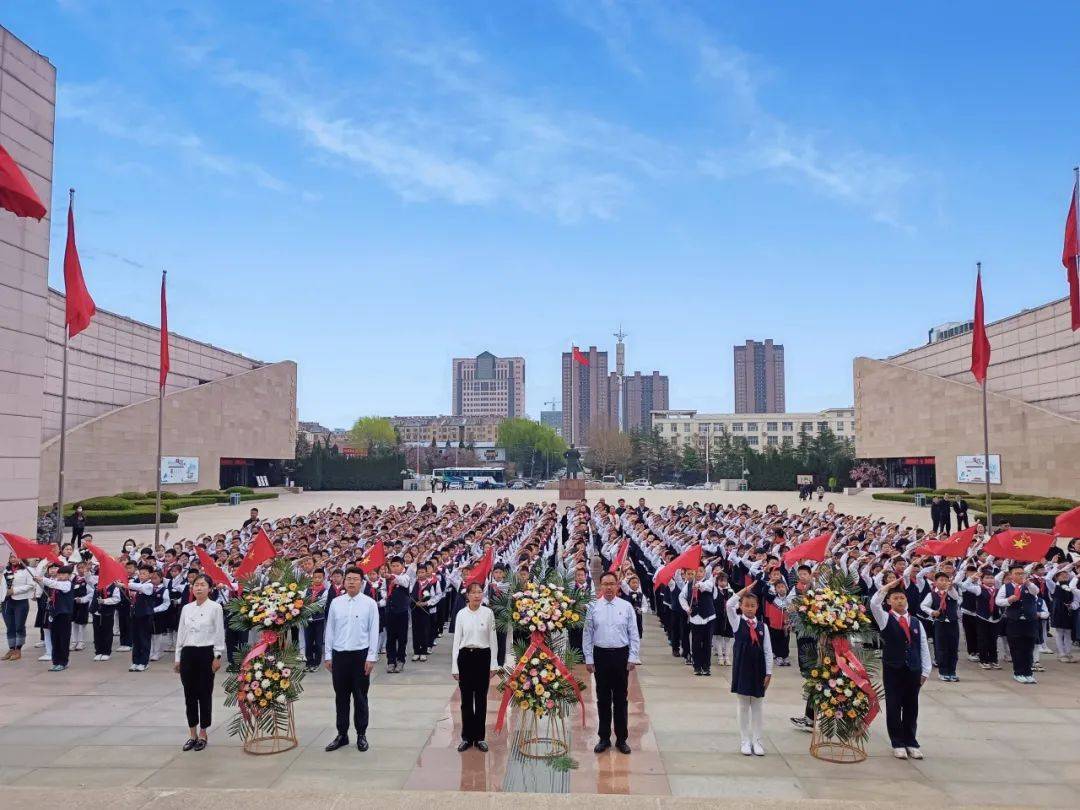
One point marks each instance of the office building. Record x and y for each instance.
(552, 419)
(585, 392)
(487, 385)
(643, 394)
(759, 377)
(759, 430)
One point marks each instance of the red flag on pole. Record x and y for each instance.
(16, 193)
(1070, 257)
(691, 558)
(620, 555)
(78, 303)
(1019, 545)
(955, 545)
(482, 570)
(27, 549)
(211, 568)
(1067, 524)
(260, 550)
(164, 362)
(980, 343)
(578, 356)
(109, 570)
(812, 549)
(374, 558)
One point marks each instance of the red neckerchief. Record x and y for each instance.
(751, 627)
(905, 625)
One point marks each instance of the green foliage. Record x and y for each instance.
(281, 572)
(322, 470)
(373, 435)
(274, 719)
(127, 517)
(503, 606)
(206, 492)
(241, 490)
(112, 503)
(1021, 518)
(528, 443)
(563, 764)
(130, 496)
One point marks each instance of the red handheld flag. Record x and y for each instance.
(16, 193)
(980, 343)
(1070, 257)
(1019, 545)
(211, 568)
(164, 361)
(620, 555)
(109, 570)
(813, 549)
(1067, 524)
(691, 558)
(482, 570)
(374, 558)
(578, 356)
(955, 545)
(27, 549)
(260, 550)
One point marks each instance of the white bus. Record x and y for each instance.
(471, 477)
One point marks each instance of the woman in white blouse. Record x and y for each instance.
(473, 663)
(200, 643)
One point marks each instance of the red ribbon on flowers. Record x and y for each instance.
(536, 645)
(853, 668)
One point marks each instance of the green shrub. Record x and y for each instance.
(104, 502)
(206, 492)
(896, 497)
(1051, 504)
(259, 496)
(130, 496)
(1021, 518)
(127, 517)
(241, 490)
(914, 490)
(152, 495)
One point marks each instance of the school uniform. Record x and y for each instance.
(61, 607)
(397, 619)
(81, 615)
(696, 600)
(779, 633)
(142, 622)
(722, 630)
(946, 626)
(424, 595)
(969, 621)
(637, 601)
(1022, 628)
(1062, 616)
(313, 632)
(905, 662)
(495, 592)
(989, 617)
(752, 661)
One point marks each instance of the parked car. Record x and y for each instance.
(640, 483)
(520, 484)
(609, 479)
(666, 485)
(699, 486)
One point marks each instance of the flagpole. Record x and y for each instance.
(63, 417)
(986, 443)
(157, 458)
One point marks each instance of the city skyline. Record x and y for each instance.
(697, 174)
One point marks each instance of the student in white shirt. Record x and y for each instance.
(473, 664)
(200, 643)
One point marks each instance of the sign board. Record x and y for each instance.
(920, 461)
(179, 470)
(804, 479)
(970, 469)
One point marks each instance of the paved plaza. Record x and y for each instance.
(987, 739)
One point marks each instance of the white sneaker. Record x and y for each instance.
(1045, 650)
(97, 657)
(106, 657)
(1019, 679)
(973, 657)
(1030, 679)
(133, 668)
(123, 648)
(900, 753)
(759, 749)
(80, 646)
(746, 748)
(44, 658)
(155, 657)
(914, 753)
(39, 643)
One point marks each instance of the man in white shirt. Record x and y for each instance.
(611, 645)
(351, 648)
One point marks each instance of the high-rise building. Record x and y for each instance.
(585, 390)
(759, 377)
(642, 394)
(487, 385)
(553, 420)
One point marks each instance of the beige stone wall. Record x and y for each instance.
(27, 104)
(248, 415)
(114, 362)
(1034, 357)
(901, 411)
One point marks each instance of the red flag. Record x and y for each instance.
(813, 549)
(1067, 524)
(691, 558)
(1019, 545)
(260, 550)
(374, 558)
(16, 193)
(955, 545)
(164, 362)
(482, 570)
(1070, 257)
(578, 356)
(27, 549)
(980, 343)
(620, 555)
(211, 568)
(109, 570)
(79, 305)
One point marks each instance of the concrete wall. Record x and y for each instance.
(901, 411)
(250, 415)
(27, 104)
(114, 363)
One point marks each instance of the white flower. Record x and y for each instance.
(268, 621)
(280, 698)
(265, 683)
(251, 697)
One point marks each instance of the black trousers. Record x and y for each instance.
(611, 683)
(313, 642)
(575, 638)
(142, 628)
(234, 640)
(988, 636)
(421, 629)
(901, 705)
(474, 676)
(350, 684)
(197, 678)
(946, 646)
(123, 623)
(961, 521)
(970, 624)
(397, 634)
(781, 643)
(103, 625)
(1020, 637)
(701, 646)
(61, 639)
(500, 638)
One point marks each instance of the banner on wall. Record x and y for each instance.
(970, 469)
(179, 470)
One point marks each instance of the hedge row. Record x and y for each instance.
(1021, 518)
(127, 517)
(1002, 499)
(104, 512)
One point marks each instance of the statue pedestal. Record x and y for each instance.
(571, 489)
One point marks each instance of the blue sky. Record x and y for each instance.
(372, 188)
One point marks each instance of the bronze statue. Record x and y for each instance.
(573, 462)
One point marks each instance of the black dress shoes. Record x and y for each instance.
(602, 746)
(337, 742)
(622, 747)
(361, 743)
(189, 744)
(464, 745)
(482, 746)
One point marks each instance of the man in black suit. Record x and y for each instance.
(960, 506)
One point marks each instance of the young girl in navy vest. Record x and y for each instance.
(751, 669)
(942, 605)
(905, 664)
(1064, 593)
(1019, 601)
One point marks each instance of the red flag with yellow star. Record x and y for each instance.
(1019, 545)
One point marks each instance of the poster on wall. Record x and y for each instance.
(179, 470)
(969, 469)
(802, 479)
